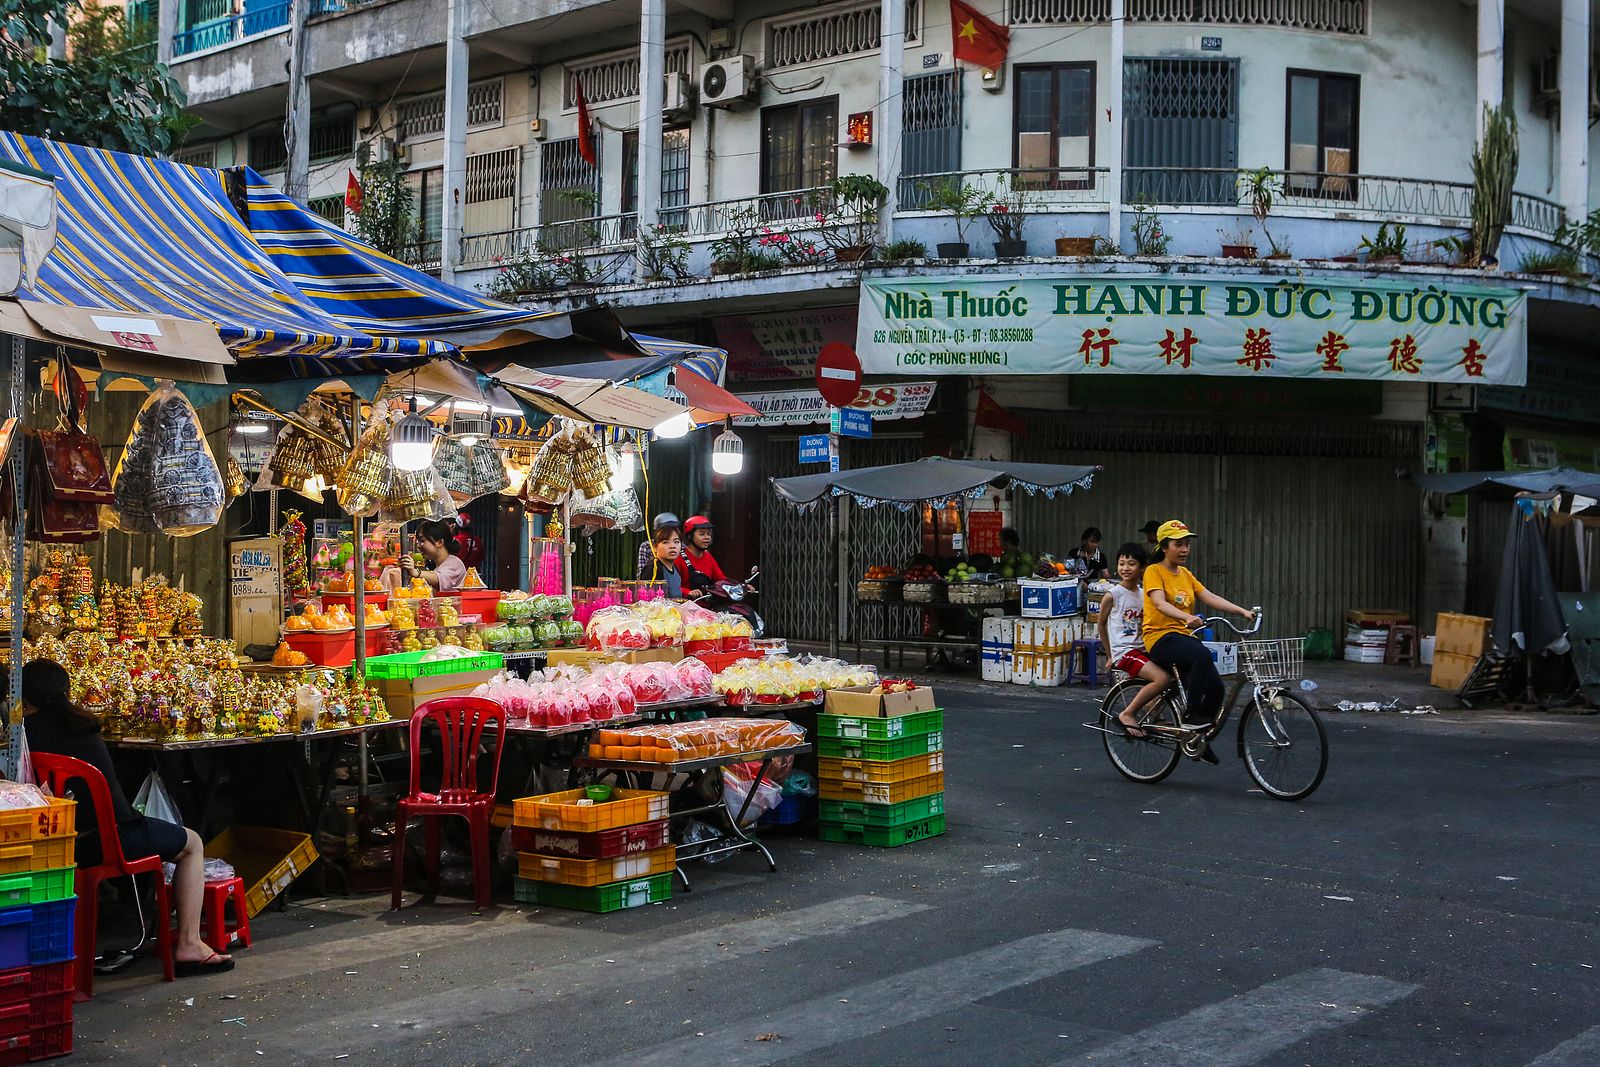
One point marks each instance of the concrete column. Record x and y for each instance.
(455, 140)
(1113, 134)
(166, 29)
(890, 118)
(652, 89)
(1573, 148)
(297, 180)
(1491, 56)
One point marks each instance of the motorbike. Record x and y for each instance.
(736, 598)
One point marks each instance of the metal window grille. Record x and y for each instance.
(932, 123)
(423, 116)
(492, 176)
(565, 182)
(616, 76)
(674, 174)
(1181, 116)
(197, 155)
(831, 34)
(333, 138)
(329, 207)
(267, 151)
(1328, 16)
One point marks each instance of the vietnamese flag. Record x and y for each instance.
(585, 129)
(977, 39)
(353, 195)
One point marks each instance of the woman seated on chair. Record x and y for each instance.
(55, 724)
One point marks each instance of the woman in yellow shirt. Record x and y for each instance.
(1171, 595)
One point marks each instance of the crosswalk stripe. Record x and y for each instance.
(634, 963)
(907, 997)
(1581, 1051)
(1243, 1029)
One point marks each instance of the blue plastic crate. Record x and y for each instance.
(792, 810)
(37, 934)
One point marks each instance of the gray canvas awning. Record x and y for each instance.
(933, 478)
(1550, 480)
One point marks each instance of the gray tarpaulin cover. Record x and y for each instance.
(934, 478)
(1527, 613)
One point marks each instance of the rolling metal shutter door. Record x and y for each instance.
(1306, 535)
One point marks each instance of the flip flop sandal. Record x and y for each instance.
(1128, 731)
(212, 964)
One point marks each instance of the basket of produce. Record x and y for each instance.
(879, 583)
(930, 591)
(977, 593)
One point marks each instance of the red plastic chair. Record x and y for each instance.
(55, 772)
(461, 722)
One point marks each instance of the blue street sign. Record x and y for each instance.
(851, 422)
(814, 448)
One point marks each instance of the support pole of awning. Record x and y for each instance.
(246, 400)
(18, 550)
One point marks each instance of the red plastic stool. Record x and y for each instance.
(218, 933)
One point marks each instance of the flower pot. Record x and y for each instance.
(725, 266)
(1239, 252)
(1074, 246)
(1010, 249)
(851, 253)
(954, 250)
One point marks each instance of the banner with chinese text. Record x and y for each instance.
(1321, 328)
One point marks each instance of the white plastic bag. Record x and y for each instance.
(154, 802)
(734, 788)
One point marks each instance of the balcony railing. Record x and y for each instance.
(255, 20)
(1048, 190)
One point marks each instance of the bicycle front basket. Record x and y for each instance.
(1280, 659)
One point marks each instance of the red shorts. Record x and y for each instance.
(1132, 662)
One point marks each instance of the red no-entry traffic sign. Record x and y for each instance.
(838, 374)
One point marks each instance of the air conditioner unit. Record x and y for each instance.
(1547, 77)
(678, 101)
(727, 82)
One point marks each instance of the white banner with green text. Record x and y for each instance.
(1188, 325)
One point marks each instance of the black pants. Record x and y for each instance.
(1202, 685)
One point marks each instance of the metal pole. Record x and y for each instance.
(359, 578)
(455, 139)
(19, 559)
(1114, 133)
(838, 590)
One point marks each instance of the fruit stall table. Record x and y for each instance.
(883, 608)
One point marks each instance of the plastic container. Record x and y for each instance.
(887, 772)
(37, 1044)
(50, 1009)
(266, 859)
(881, 816)
(403, 666)
(378, 600)
(60, 819)
(600, 899)
(894, 837)
(564, 870)
(480, 602)
(23, 984)
(598, 793)
(881, 792)
(561, 811)
(46, 854)
(324, 648)
(36, 887)
(790, 811)
(37, 934)
(623, 841)
(880, 729)
(860, 748)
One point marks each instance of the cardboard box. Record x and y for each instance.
(1450, 669)
(403, 696)
(1362, 654)
(1051, 600)
(862, 702)
(1225, 654)
(1044, 670)
(1375, 618)
(999, 645)
(1464, 635)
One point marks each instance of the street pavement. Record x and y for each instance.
(1432, 903)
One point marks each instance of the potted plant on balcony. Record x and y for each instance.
(1494, 173)
(964, 203)
(1387, 246)
(1260, 188)
(857, 200)
(730, 251)
(1006, 214)
(902, 250)
(1238, 244)
(1149, 238)
(663, 253)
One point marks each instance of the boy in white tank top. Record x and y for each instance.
(1121, 634)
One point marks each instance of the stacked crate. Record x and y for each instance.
(594, 856)
(1459, 642)
(37, 866)
(881, 778)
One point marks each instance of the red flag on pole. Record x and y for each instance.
(585, 130)
(977, 39)
(994, 417)
(353, 195)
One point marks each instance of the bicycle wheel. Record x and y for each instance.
(1284, 746)
(1142, 759)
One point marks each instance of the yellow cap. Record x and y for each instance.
(1173, 529)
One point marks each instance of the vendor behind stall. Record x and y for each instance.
(696, 566)
(443, 569)
(658, 557)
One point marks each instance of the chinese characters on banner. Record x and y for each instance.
(782, 345)
(1178, 325)
(983, 532)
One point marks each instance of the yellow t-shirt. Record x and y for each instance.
(1183, 592)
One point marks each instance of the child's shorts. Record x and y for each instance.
(1132, 662)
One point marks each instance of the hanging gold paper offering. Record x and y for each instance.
(364, 479)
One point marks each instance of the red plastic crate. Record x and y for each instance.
(23, 984)
(480, 602)
(37, 1044)
(324, 649)
(52, 1009)
(721, 661)
(349, 600)
(603, 844)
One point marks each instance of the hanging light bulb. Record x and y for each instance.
(727, 453)
(469, 427)
(623, 463)
(411, 443)
(677, 426)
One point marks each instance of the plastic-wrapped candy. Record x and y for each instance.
(618, 628)
(695, 676)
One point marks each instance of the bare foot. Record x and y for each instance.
(1130, 726)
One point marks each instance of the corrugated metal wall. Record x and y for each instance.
(1303, 518)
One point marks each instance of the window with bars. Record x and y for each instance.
(329, 207)
(674, 175)
(491, 194)
(332, 137)
(197, 155)
(1180, 130)
(568, 187)
(799, 145)
(1054, 118)
(1328, 16)
(615, 77)
(931, 143)
(423, 116)
(835, 32)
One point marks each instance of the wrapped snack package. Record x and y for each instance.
(663, 621)
(365, 477)
(695, 676)
(618, 628)
(674, 742)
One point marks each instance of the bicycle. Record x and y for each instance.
(1281, 740)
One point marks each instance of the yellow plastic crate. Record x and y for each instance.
(561, 811)
(587, 874)
(43, 855)
(881, 792)
(60, 819)
(886, 771)
(267, 859)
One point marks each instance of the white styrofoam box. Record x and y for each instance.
(1051, 600)
(999, 646)
(1225, 654)
(1039, 669)
(1040, 651)
(1425, 653)
(1358, 654)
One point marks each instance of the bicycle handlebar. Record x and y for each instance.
(1234, 627)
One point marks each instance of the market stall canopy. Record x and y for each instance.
(1550, 480)
(152, 346)
(623, 356)
(707, 400)
(589, 399)
(934, 478)
(27, 223)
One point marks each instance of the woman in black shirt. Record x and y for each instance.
(55, 724)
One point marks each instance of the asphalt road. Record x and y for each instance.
(1433, 903)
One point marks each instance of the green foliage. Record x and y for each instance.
(1559, 261)
(1260, 188)
(387, 220)
(1387, 243)
(663, 253)
(1006, 211)
(904, 249)
(1149, 239)
(109, 93)
(857, 200)
(957, 198)
(1494, 173)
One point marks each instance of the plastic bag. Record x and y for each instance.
(736, 786)
(154, 802)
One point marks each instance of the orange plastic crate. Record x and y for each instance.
(561, 811)
(886, 771)
(59, 819)
(42, 855)
(587, 874)
(881, 792)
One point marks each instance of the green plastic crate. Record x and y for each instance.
(36, 887)
(881, 816)
(880, 751)
(408, 665)
(601, 898)
(849, 834)
(880, 729)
